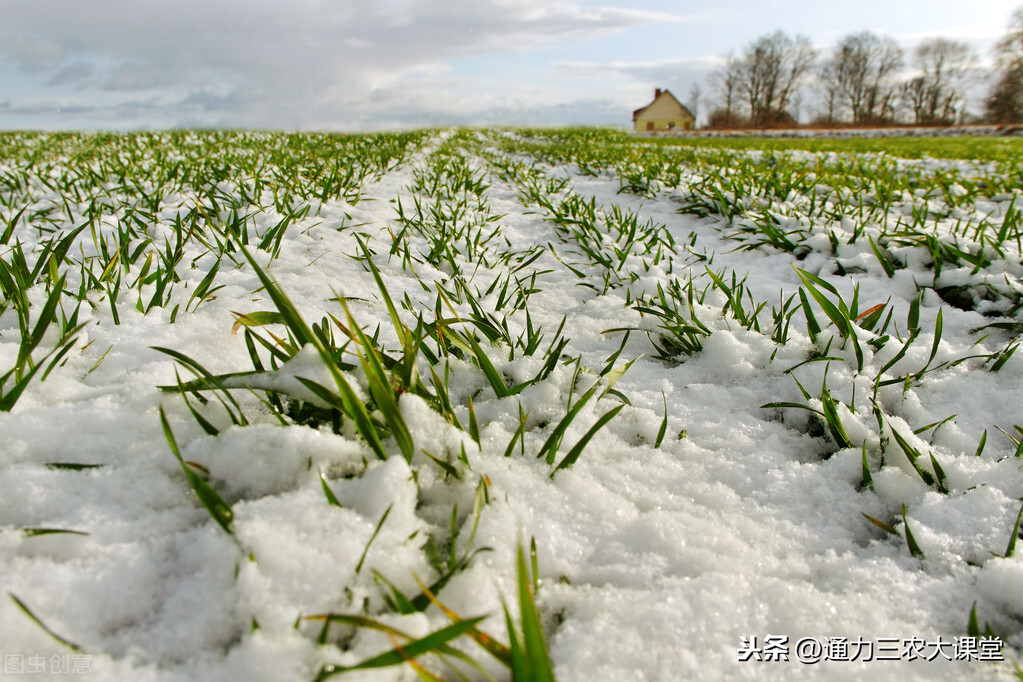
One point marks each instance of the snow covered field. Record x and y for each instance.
(845, 133)
(730, 395)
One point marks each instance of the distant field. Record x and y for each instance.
(981, 148)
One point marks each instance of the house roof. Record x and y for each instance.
(658, 96)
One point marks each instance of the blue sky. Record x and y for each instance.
(375, 64)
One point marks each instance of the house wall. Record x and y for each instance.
(642, 125)
(662, 114)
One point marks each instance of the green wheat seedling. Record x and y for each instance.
(444, 558)
(345, 401)
(271, 240)
(842, 315)
(639, 181)
(442, 389)
(204, 290)
(449, 211)
(766, 230)
(526, 656)
(828, 411)
(496, 331)
(14, 381)
(719, 194)
(466, 341)
(973, 627)
(372, 537)
(782, 318)
(504, 298)
(734, 295)
(387, 377)
(937, 479)
(681, 330)
(447, 563)
(205, 381)
(603, 239)
(35, 619)
(1010, 549)
(406, 370)
(406, 648)
(911, 544)
(549, 448)
(220, 511)
(913, 328)
(570, 458)
(530, 659)
(380, 387)
(888, 264)
(1017, 440)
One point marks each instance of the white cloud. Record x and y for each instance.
(388, 63)
(272, 62)
(670, 69)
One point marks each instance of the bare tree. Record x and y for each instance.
(936, 95)
(726, 82)
(829, 86)
(915, 96)
(1009, 48)
(859, 77)
(770, 70)
(1005, 103)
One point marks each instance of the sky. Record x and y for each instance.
(355, 65)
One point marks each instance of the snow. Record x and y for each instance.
(654, 562)
(844, 133)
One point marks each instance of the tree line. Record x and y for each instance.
(864, 81)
